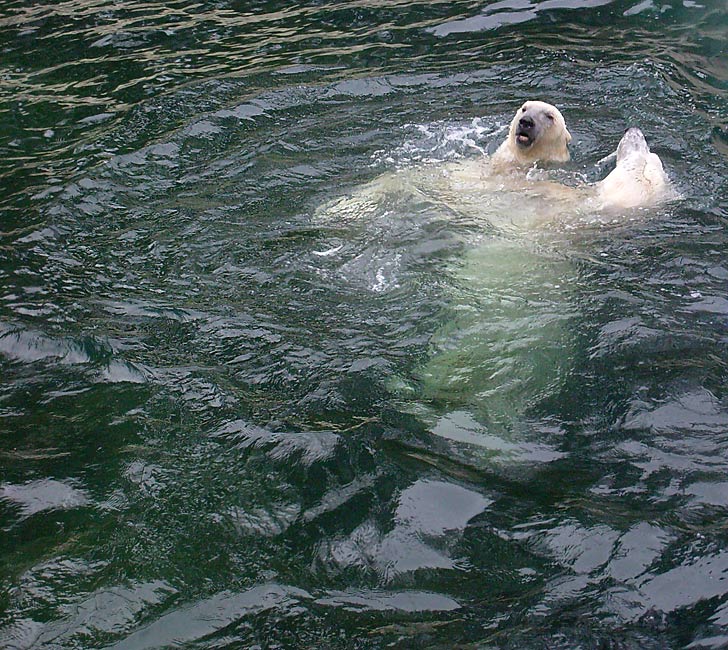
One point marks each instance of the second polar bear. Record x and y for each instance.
(638, 178)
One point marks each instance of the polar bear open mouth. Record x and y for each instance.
(525, 133)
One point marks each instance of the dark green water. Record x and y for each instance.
(213, 431)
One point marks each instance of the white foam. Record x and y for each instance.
(439, 142)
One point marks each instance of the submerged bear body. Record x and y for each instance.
(508, 333)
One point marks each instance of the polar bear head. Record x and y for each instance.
(537, 133)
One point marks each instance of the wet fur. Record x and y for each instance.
(551, 138)
(506, 186)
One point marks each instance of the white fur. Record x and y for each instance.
(550, 145)
(508, 343)
(638, 178)
(509, 191)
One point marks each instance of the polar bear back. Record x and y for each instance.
(638, 178)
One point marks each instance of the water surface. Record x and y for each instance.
(217, 427)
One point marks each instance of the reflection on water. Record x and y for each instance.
(224, 420)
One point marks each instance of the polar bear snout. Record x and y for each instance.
(632, 143)
(526, 132)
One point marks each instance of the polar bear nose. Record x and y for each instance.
(526, 123)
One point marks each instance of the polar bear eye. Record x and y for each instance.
(523, 108)
(550, 116)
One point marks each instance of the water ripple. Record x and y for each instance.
(225, 351)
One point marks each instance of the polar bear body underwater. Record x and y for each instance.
(507, 342)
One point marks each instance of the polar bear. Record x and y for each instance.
(511, 189)
(488, 187)
(638, 178)
(507, 338)
(537, 133)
